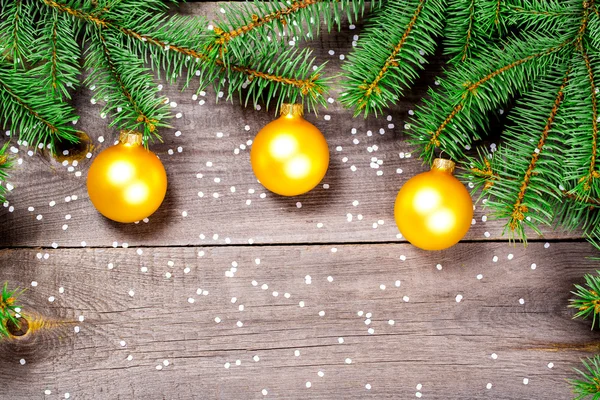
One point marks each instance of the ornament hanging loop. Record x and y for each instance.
(291, 110)
(131, 138)
(443, 165)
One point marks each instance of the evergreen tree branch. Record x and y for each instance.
(524, 188)
(590, 201)
(497, 15)
(481, 172)
(593, 174)
(581, 177)
(589, 383)
(59, 53)
(28, 110)
(594, 30)
(260, 25)
(8, 309)
(389, 53)
(522, 205)
(449, 119)
(16, 31)
(124, 82)
(310, 86)
(587, 298)
(545, 16)
(5, 165)
(466, 48)
(470, 25)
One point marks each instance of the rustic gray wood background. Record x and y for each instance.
(229, 291)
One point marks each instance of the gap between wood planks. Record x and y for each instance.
(290, 244)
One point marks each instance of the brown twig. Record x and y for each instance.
(142, 117)
(590, 200)
(487, 173)
(471, 88)
(303, 85)
(498, 6)
(257, 21)
(469, 30)
(519, 209)
(53, 72)
(592, 174)
(391, 60)
(30, 110)
(535, 12)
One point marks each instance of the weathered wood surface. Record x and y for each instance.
(511, 328)
(448, 347)
(245, 215)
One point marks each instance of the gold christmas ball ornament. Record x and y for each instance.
(126, 182)
(290, 155)
(434, 210)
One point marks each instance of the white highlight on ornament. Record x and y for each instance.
(426, 200)
(121, 172)
(298, 167)
(283, 147)
(137, 193)
(441, 221)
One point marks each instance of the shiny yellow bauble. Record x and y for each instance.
(290, 155)
(126, 182)
(434, 210)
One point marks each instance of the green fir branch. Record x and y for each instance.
(390, 52)
(126, 86)
(588, 385)
(582, 178)
(173, 46)
(9, 310)
(470, 25)
(255, 27)
(528, 169)
(17, 31)
(544, 16)
(5, 165)
(291, 69)
(58, 54)
(593, 30)
(587, 298)
(452, 115)
(26, 108)
(594, 239)
(187, 52)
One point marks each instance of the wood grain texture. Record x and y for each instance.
(251, 278)
(445, 345)
(250, 214)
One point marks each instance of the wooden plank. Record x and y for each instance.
(445, 345)
(251, 214)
